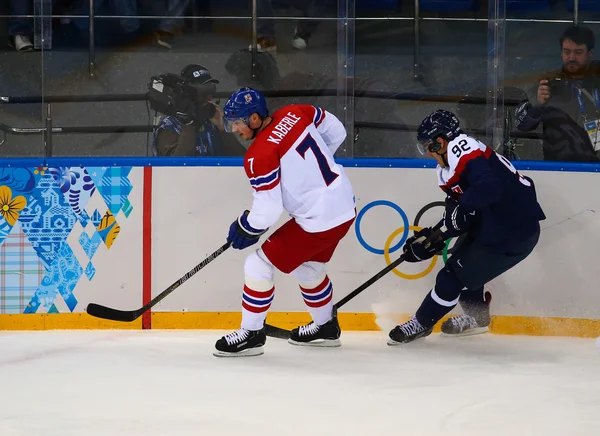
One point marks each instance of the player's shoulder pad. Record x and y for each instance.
(261, 163)
(463, 149)
(309, 113)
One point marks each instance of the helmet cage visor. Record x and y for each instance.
(429, 145)
(231, 123)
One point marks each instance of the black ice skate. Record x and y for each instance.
(408, 332)
(474, 321)
(313, 335)
(241, 343)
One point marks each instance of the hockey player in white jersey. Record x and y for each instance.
(290, 166)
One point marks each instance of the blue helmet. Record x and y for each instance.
(439, 123)
(243, 103)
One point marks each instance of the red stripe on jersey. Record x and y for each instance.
(462, 163)
(258, 294)
(267, 187)
(318, 289)
(319, 303)
(321, 118)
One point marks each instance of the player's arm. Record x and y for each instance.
(263, 173)
(485, 188)
(266, 207)
(329, 127)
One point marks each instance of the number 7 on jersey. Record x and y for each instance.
(310, 144)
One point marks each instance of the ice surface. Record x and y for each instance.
(109, 383)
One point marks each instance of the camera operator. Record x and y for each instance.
(193, 125)
(567, 103)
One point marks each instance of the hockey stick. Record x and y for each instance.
(279, 333)
(104, 312)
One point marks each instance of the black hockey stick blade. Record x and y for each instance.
(279, 333)
(100, 311)
(276, 332)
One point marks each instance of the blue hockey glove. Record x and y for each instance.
(243, 235)
(417, 248)
(456, 219)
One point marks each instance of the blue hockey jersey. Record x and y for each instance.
(504, 201)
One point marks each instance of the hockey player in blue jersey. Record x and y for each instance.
(494, 212)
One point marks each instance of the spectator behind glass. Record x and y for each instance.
(20, 30)
(166, 28)
(304, 28)
(567, 103)
(203, 136)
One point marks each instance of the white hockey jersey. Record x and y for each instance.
(290, 165)
(460, 152)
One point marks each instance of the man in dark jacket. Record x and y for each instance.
(201, 133)
(567, 103)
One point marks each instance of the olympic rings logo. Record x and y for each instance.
(406, 227)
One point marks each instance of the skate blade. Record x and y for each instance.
(323, 343)
(257, 351)
(393, 343)
(470, 332)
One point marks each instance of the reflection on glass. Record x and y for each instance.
(404, 62)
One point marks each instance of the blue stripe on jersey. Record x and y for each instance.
(263, 180)
(317, 114)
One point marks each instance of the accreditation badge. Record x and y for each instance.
(591, 127)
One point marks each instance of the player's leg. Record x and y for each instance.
(289, 248)
(256, 300)
(485, 266)
(317, 292)
(475, 303)
(475, 318)
(440, 300)
(470, 268)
